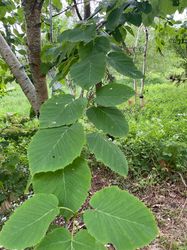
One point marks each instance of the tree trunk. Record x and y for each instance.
(135, 86)
(144, 68)
(87, 9)
(19, 73)
(32, 11)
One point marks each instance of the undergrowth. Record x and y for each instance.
(157, 141)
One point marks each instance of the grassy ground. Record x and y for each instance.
(14, 102)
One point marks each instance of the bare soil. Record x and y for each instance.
(168, 202)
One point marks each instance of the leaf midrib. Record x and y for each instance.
(120, 218)
(34, 222)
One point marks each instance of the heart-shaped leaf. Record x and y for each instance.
(29, 223)
(61, 239)
(121, 219)
(61, 110)
(70, 185)
(55, 148)
(89, 71)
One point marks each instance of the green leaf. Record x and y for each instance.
(133, 18)
(110, 120)
(84, 33)
(100, 44)
(29, 223)
(89, 71)
(61, 239)
(108, 153)
(57, 4)
(113, 19)
(70, 185)
(124, 65)
(166, 7)
(55, 148)
(118, 35)
(61, 110)
(121, 219)
(113, 94)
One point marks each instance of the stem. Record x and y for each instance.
(144, 67)
(51, 21)
(87, 9)
(68, 209)
(134, 58)
(77, 10)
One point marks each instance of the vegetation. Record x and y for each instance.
(88, 117)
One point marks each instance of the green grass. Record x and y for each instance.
(14, 102)
(157, 139)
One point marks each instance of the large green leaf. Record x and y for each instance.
(113, 94)
(133, 18)
(113, 19)
(55, 148)
(29, 223)
(108, 119)
(61, 110)
(84, 33)
(124, 65)
(61, 239)
(108, 153)
(70, 185)
(121, 219)
(100, 44)
(89, 71)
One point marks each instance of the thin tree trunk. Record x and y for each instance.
(77, 10)
(144, 68)
(87, 9)
(186, 63)
(32, 11)
(19, 73)
(134, 58)
(51, 21)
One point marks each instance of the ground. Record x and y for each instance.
(168, 201)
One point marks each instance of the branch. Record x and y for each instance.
(74, 6)
(77, 10)
(19, 73)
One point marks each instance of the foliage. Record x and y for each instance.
(14, 102)
(172, 34)
(157, 139)
(85, 53)
(15, 136)
(59, 142)
(5, 78)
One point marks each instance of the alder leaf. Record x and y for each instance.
(55, 148)
(61, 239)
(124, 65)
(108, 153)
(108, 119)
(70, 185)
(120, 218)
(113, 94)
(29, 223)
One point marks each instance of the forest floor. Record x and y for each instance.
(167, 200)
